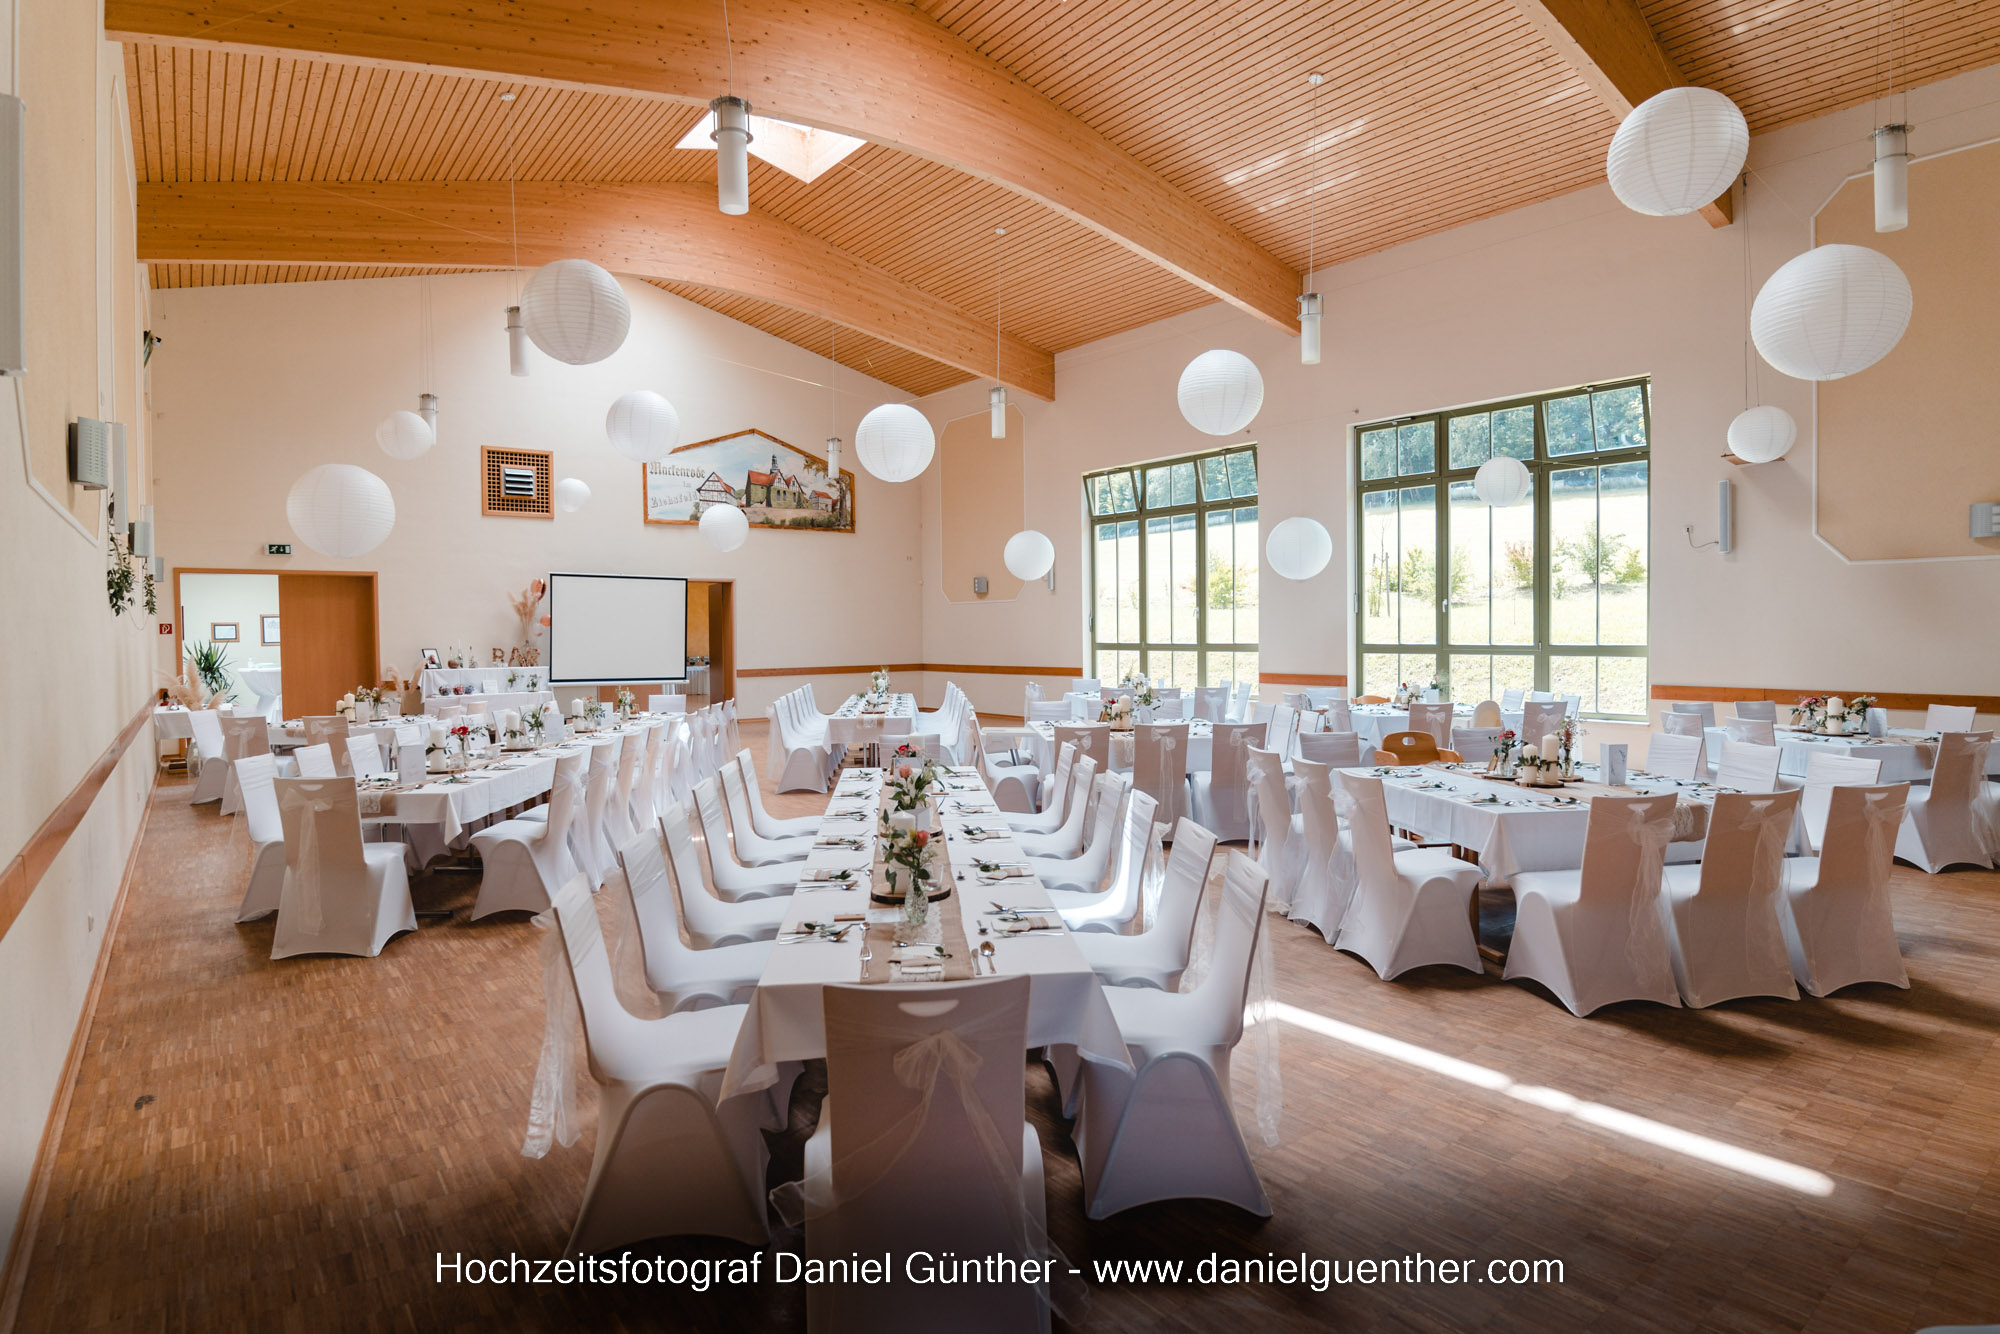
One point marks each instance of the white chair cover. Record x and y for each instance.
(1067, 840)
(523, 862)
(712, 921)
(210, 764)
(1835, 908)
(1950, 717)
(1669, 755)
(752, 848)
(666, 1163)
(1764, 709)
(1510, 700)
(1824, 772)
(1337, 750)
(1337, 717)
(1092, 739)
(1314, 900)
(1211, 703)
(340, 895)
(1138, 858)
(1760, 731)
(1705, 711)
(666, 704)
(1406, 909)
(1086, 871)
(315, 761)
(1157, 956)
(255, 776)
(804, 826)
(1278, 836)
(1435, 719)
(1540, 719)
(1475, 744)
(1594, 936)
(1219, 797)
(727, 875)
(364, 757)
(1721, 917)
(1953, 821)
(1748, 767)
(1280, 729)
(1054, 804)
(1487, 714)
(683, 978)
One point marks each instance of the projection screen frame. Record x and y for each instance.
(554, 680)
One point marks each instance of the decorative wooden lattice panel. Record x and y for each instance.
(517, 482)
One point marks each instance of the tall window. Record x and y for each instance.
(1173, 567)
(1547, 594)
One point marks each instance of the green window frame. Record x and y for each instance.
(1551, 594)
(1175, 556)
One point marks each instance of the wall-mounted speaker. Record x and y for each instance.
(1986, 519)
(13, 228)
(90, 453)
(1725, 517)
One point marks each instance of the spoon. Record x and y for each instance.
(986, 949)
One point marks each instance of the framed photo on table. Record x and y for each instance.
(431, 659)
(223, 632)
(268, 626)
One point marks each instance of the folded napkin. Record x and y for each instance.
(1006, 873)
(820, 875)
(1014, 924)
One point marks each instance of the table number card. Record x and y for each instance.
(1611, 764)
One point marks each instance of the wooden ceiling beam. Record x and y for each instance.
(880, 71)
(669, 232)
(1612, 48)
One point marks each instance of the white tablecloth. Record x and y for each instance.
(697, 678)
(264, 685)
(1523, 830)
(434, 680)
(850, 726)
(1907, 754)
(786, 1021)
(523, 700)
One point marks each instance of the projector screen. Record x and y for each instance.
(610, 628)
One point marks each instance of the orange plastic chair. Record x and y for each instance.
(1372, 699)
(1412, 748)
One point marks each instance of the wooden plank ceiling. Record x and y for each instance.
(1433, 113)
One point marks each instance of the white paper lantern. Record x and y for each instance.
(1501, 482)
(1220, 392)
(1298, 548)
(338, 509)
(404, 435)
(572, 494)
(895, 442)
(1762, 435)
(724, 527)
(575, 311)
(1029, 555)
(1677, 152)
(643, 426)
(1830, 312)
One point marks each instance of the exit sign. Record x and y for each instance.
(277, 548)
(166, 627)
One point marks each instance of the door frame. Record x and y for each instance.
(374, 600)
(721, 689)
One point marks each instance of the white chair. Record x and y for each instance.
(924, 1143)
(666, 704)
(681, 977)
(340, 895)
(727, 875)
(1160, 766)
(1672, 756)
(1721, 917)
(1211, 703)
(1475, 744)
(241, 737)
(800, 756)
(523, 862)
(590, 833)
(1015, 783)
(616, 816)
(643, 807)
(1336, 750)
(1824, 772)
(1157, 956)
(1763, 710)
(1540, 718)
(315, 761)
(1067, 840)
(1675, 723)
(1054, 805)
(364, 756)
(1219, 797)
(1487, 714)
(445, 713)
(712, 921)
(1949, 717)
(1834, 910)
(1297, 699)
(1757, 731)
(666, 1163)
(1408, 908)
(255, 776)
(1280, 729)
(1510, 700)
(1706, 712)
(1085, 871)
(1092, 739)
(211, 764)
(331, 732)
(752, 848)
(1110, 909)
(1279, 831)
(1952, 822)
(1435, 719)
(1748, 767)
(1314, 900)
(1048, 711)
(1593, 936)
(1085, 685)
(1166, 1131)
(1337, 716)
(1240, 712)
(1572, 705)
(1321, 696)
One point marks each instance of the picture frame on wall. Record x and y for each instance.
(268, 628)
(224, 632)
(431, 659)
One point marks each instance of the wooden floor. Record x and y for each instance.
(287, 1146)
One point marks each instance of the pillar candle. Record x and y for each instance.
(1551, 746)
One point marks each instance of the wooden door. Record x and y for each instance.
(329, 627)
(721, 641)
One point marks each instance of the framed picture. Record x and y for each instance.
(776, 485)
(431, 658)
(269, 627)
(223, 632)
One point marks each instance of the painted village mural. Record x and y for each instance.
(775, 484)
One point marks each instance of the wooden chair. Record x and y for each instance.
(1372, 699)
(1412, 748)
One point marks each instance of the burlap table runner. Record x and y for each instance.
(881, 942)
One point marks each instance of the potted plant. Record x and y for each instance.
(211, 664)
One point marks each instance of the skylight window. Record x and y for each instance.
(796, 150)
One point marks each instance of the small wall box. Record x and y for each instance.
(1986, 519)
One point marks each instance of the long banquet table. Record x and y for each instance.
(786, 1022)
(857, 722)
(1906, 753)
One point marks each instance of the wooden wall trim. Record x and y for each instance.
(32, 862)
(969, 669)
(1298, 679)
(1887, 699)
(14, 1273)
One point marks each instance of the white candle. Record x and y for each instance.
(576, 708)
(1551, 746)
(437, 734)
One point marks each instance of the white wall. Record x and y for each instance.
(1572, 291)
(80, 674)
(257, 384)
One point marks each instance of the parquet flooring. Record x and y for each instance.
(288, 1146)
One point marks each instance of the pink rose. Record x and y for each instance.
(903, 772)
(921, 837)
